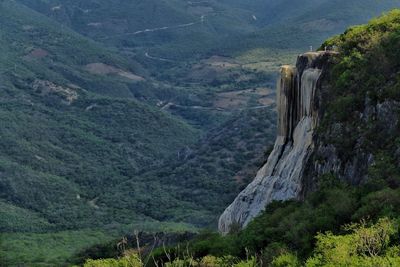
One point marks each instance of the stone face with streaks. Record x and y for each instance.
(281, 177)
(302, 155)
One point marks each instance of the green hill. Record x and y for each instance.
(179, 28)
(226, 27)
(301, 24)
(68, 132)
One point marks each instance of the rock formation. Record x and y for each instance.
(281, 177)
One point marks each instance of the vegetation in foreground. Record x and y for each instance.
(361, 245)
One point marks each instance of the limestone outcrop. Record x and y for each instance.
(281, 177)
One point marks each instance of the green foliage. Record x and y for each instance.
(13, 218)
(365, 246)
(295, 224)
(364, 77)
(48, 249)
(215, 261)
(286, 260)
(292, 226)
(357, 75)
(131, 260)
(362, 245)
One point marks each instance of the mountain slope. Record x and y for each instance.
(208, 24)
(67, 133)
(205, 176)
(179, 28)
(300, 24)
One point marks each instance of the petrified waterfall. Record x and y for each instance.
(280, 178)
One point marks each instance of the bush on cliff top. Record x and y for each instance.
(369, 61)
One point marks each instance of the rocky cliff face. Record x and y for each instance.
(281, 178)
(311, 143)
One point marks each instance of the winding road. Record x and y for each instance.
(158, 58)
(213, 108)
(185, 25)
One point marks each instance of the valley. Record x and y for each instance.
(140, 115)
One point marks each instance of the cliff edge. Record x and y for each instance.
(298, 115)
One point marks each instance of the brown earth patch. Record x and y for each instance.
(231, 100)
(131, 76)
(104, 69)
(215, 68)
(221, 62)
(240, 99)
(36, 53)
(265, 101)
(27, 27)
(262, 91)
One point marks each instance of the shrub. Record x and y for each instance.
(286, 260)
(364, 246)
(131, 260)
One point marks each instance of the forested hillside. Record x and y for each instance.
(180, 30)
(67, 132)
(86, 134)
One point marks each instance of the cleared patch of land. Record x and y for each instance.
(36, 53)
(104, 69)
(241, 99)
(266, 60)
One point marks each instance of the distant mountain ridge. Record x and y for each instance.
(228, 26)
